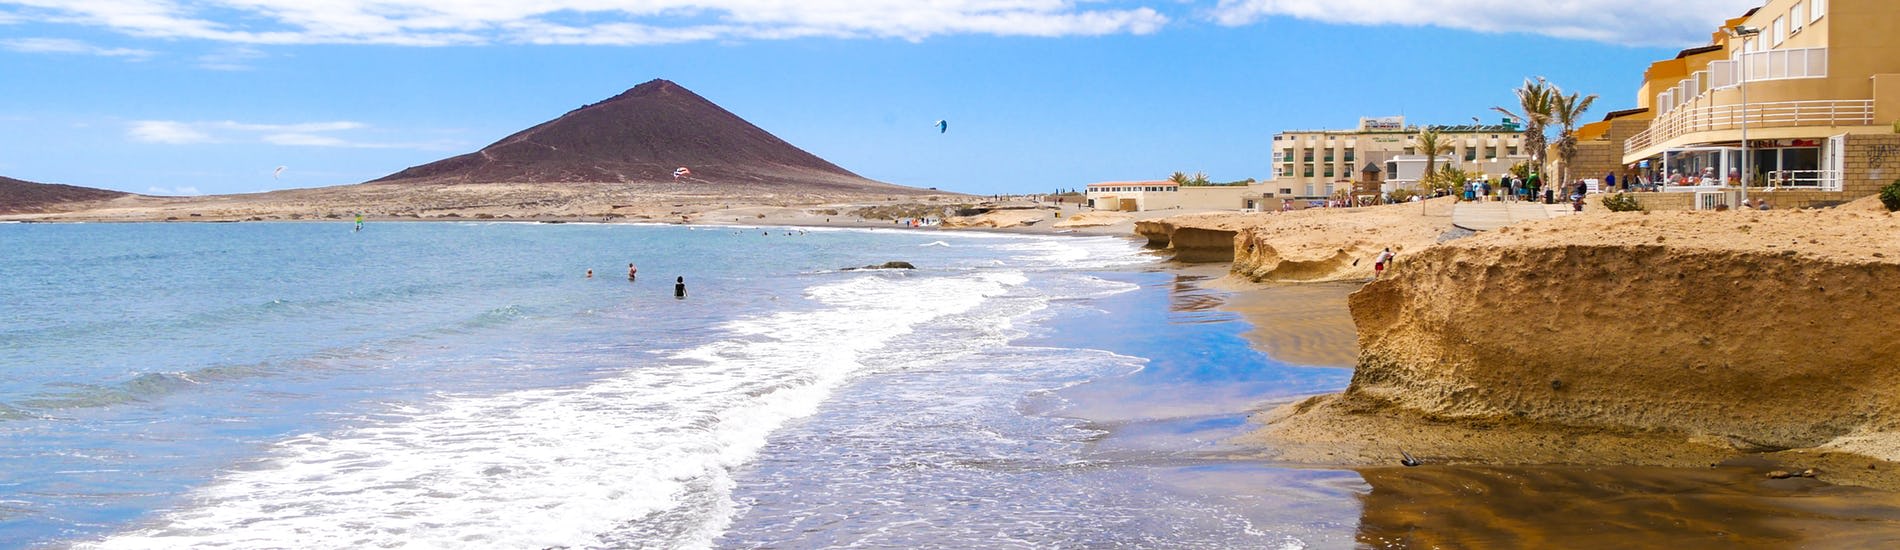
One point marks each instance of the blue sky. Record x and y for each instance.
(210, 96)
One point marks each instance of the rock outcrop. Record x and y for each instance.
(998, 219)
(1758, 331)
(1302, 246)
(1194, 238)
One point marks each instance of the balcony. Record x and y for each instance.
(1785, 114)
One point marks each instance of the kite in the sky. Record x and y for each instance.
(276, 174)
(943, 126)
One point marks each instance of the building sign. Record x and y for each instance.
(1773, 143)
(1384, 124)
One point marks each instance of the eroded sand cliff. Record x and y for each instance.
(1666, 338)
(1315, 245)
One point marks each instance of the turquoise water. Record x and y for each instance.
(451, 385)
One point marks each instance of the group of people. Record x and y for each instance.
(633, 273)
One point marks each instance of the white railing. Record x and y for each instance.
(1784, 114)
(1811, 180)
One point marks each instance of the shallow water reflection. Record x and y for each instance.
(1580, 507)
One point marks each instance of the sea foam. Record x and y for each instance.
(561, 467)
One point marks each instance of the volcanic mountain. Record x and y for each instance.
(644, 135)
(25, 197)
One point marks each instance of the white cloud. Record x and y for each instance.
(302, 134)
(1676, 23)
(173, 191)
(167, 132)
(233, 59)
(605, 22)
(70, 46)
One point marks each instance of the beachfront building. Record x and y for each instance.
(1143, 196)
(1315, 164)
(1796, 99)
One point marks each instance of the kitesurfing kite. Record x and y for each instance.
(276, 174)
(943, 126)
(681, 172)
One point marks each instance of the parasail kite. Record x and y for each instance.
(943, 126)
(681, 172)
(277, 173)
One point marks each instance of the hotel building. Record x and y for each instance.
(1796, 97)
(1314, 164)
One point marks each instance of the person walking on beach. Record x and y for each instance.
(679, 287)
(1378, 263)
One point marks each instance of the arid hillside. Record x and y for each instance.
(25, 197)
(643, 136)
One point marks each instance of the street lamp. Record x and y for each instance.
(1745, 32)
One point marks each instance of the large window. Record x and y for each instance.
(1816, 9)
(1781, 30)
(1796, 16)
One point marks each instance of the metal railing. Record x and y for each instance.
(1680, 122)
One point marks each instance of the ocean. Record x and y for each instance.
(456, 385)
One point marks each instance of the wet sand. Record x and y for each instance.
(1298, 324)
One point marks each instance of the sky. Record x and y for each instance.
(191, 97)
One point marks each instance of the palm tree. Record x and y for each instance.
(1566, 111)
(1535, 100)
(1429, 143)
(1180, 178)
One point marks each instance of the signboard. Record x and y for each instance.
(1383, 124)
(1774, 143)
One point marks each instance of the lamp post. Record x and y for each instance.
(1745, 32)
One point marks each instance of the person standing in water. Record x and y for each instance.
(359, 221)
(679, 287)
(632, 271)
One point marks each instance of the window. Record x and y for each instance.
(1816, 9)
(1329, 170)
(1349, 155)
(1308, 172)
(1286, 171)
(1796, 16)
(1781, 30)
(1411, 150)
(1513, 150)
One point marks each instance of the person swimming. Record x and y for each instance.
(590, 273)
(679, 287)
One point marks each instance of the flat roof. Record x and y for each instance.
(1131, 183)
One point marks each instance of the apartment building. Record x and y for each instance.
(1795, 100)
